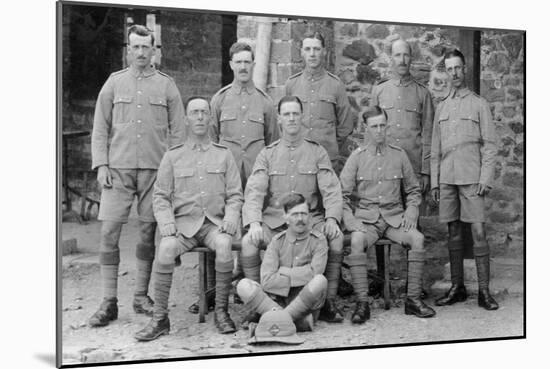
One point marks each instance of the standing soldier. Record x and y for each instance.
(409, 108)
(243, 116)
(327, 115)
(462, 162)
(381, 173)
(293, 165)
(138, 115)
(197, 199)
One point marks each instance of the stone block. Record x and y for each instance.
(361, 51)
(378, 31)
(276, 93)
(345, 29)
(283, 72)
(498, 62)
(281, 31)
(516, 127)
(514, 94)
(513, 43)
(509, 111)
(407, 32)
(297, 30)
(280, 52)
(503, 217)
(69, 246)
(513, 179)
(295, 53)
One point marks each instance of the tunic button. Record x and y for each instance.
(139, 92)
(398, 125)
(139, 106)
(379, 197)
(291, 176)
(201, 178)
(379, 182)
(399, 110)
(139, 78)
(138, 136)
(244, 107)
(202, 192)
(397, 139)
(398, 97)
(379, 168)
(244, 121)
(139, 121)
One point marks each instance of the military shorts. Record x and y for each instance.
(461, 202)
(374, 231)
(117, 201)
(206, 235)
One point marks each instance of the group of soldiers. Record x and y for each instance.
(188, 166)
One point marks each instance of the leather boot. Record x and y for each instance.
(484, 298)
(330, 312)
(154, 329)
(415, 306)
(250, 317)
(457, 293)
(143, 305)
(223, 321)
(108, 310)
(361, 313)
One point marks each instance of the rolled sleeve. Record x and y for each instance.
(175, 115)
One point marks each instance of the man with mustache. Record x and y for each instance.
(380, 173)
(138, 116)
(197, 200)
(463, 163)
(327, 116)
(243, 119)
(292, 268)
(293, 164)
(409, 107)
(243, 116)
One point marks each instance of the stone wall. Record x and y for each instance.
(359, 53)
(502, 84)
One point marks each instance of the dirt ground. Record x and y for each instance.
(81, 295)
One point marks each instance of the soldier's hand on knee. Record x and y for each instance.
(408, 223)
(228, 227)
(256, 233)
(331, 229)
(167, 230)
(104, 176)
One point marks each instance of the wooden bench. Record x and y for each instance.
(383, 248)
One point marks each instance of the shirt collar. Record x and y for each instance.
(199, 146)
(461, 92)
(405, 81)
(314, 75)
(295, 143)
(373, 149)
(147, 72)
(239, 89)
(293, 237)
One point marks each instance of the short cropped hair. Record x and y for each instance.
(455, 53)
(291, 200)
(286, 99)
(237, 47)
(140, 30)
(314, 34)
(373, 111)
(194, 97)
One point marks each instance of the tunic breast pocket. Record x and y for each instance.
(228, 121)
(185, 180)
(469, 125)
(389, 109)
(413, 114)
(392, 184)
(256, 129)
(363, 179)
(278, 181)
(327, 108)
(215, 178)
(122, 109)
(159, 109)
(307, 179)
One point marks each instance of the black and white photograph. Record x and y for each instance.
(234, 183)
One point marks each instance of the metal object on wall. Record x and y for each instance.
(263, 48)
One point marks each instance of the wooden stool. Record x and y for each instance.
(383, 248)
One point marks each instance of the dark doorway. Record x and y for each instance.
(229, 36)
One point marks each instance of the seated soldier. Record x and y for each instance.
(381, 173)
(197, 200)
(292, 269)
